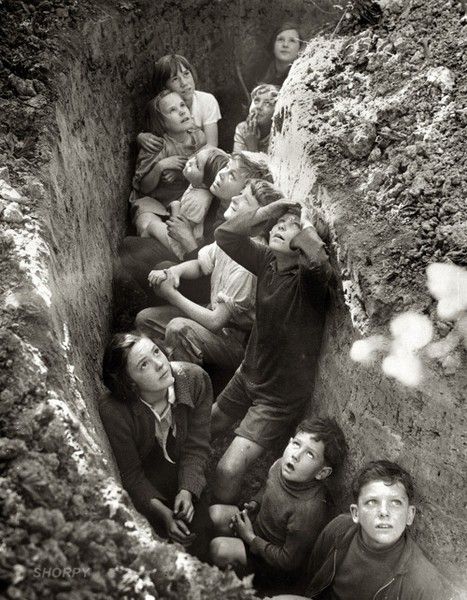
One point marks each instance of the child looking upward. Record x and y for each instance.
(275, 380)
(173, 72)
(215, 334)
(369, 554)
(288, 513)
(253, 134)
(170, 119)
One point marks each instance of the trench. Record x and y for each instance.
(102, 86)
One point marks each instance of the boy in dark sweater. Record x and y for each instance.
(275, 380)
(278, 527)
(369, 555)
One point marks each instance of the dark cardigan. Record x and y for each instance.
(131, 432)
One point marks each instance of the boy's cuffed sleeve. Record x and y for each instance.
(195, 452)
(119, 432)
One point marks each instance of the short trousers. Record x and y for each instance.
(268, 577)
(262, 423)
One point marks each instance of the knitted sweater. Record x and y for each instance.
(289, 521)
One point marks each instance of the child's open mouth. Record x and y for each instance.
(289, 467)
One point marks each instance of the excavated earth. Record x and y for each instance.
(370, 128)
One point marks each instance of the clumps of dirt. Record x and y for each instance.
(387, 127)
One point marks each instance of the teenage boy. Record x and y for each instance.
(288, 513)
(274, 382)
(369, 555)
(215, 334)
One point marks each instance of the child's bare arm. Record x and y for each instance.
(151, 180)
(212, 136)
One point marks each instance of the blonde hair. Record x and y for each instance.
(265, 88)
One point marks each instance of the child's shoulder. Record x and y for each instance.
(205, 97)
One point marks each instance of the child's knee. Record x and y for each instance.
(216, 514)
(229, 468)
(219, 550)
(177, 328)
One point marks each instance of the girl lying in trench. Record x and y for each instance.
(157, 419)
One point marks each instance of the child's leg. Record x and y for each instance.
(227, 551)
(232, 467)
(153, 321)
(221, 517)
(157, 229)
(195, 343)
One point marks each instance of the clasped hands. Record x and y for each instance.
(166, 281)
(177, 521)
(241, 524)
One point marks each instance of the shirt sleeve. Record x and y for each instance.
(145, 163)
(302, 530)
(195, 204)
(207, 258)
(233, 236)
(211, 111)
(239, 138)
(122, 442)
(238, 294)
(196, 449)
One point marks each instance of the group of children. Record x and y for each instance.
(269, 285)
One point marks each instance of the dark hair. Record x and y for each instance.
(327, 430)
(166, 67)
(154, 117)
(285, 26)
(383, 470)
(216, 160)
(255, 165)
(114, 366)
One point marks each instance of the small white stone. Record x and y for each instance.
(8, 193)
(12, 213)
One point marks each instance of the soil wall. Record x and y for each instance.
(353, 109)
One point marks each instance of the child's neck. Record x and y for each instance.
(156, 400)
(281, 66)
(285, 261)
(179, 136)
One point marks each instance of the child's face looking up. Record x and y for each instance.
(241, 203)
(177, 116)
(286, 228)
(383, 512)
(303, 459)
(182, 83)
(262, 106)
(194, 168)
(230, 181)
(287, 46)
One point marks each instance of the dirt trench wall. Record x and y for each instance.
(364, 134)
(74, 78)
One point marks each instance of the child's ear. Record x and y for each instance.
(325, 472)
(410, 514)
(354, 512)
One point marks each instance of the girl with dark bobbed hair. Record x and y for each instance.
(157, 419)
(285, 45)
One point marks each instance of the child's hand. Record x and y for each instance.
(243, 526)
(276, 209)
(150, 142)
(156, 277)
(166, 290)
(251, 507)
(310, 217)
(175, 162)
(183, 506)
(172, 277)
(168, 176)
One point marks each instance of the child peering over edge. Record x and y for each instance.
(273, 384)
(288, 514)
(369, 554)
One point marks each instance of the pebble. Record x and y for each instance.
(12, 213)
(8, 193)
(4, 175)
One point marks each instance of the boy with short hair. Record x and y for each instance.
(215, 334)
(242, 166)
(288, 513)
(273, 384)
(254, 133)
(369, 554)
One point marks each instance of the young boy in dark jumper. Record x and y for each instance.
(274, 382)
(369, 555)
(288, 513)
